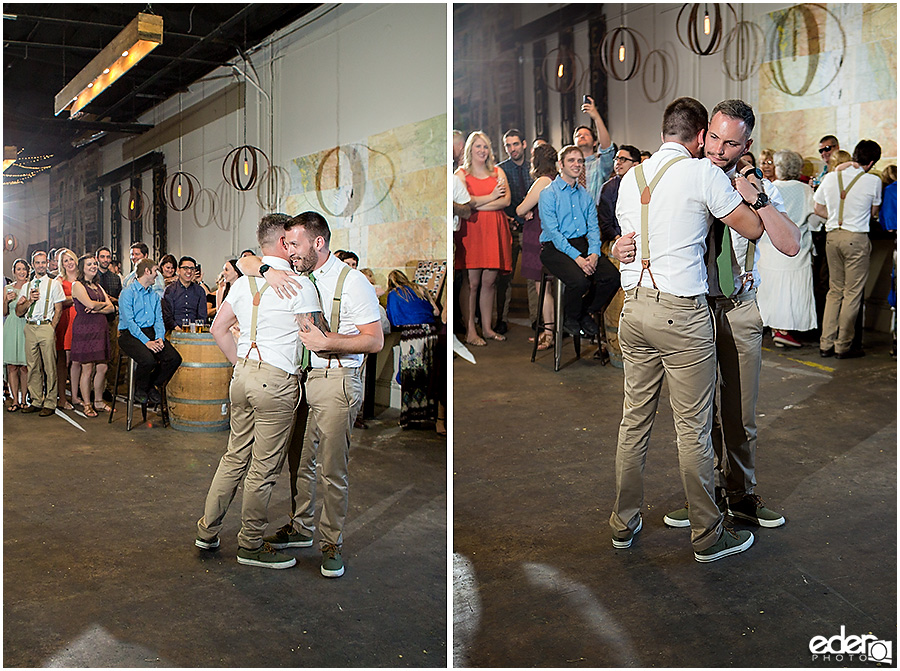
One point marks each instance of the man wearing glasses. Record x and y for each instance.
(184, 301)
(827, 146)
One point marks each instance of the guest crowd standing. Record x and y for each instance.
(90, 335)
(14, 337)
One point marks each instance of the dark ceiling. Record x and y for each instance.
(46, 45)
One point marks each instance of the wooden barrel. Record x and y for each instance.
(198, 392)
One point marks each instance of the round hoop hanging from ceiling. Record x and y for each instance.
(796, 32)
(274, 186)
(10, 243)
(711, 25)
(241, 167)
(205, 209)
(660, 65)
(742, 53)
(620, 51)
(137, 204)
(180, 190)
(567, 66)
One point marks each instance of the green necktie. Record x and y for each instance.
(36, 285)
(305, 357)
(723, 263)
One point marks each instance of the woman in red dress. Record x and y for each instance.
(483, 242)
(67, 273)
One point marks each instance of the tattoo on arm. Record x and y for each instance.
(316, 319)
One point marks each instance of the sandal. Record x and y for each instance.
(102, 407)
(12, 408)
(89, 410)
(545, 341)
(440, 427)
(67, 406)
(497, 337)
(476, 342)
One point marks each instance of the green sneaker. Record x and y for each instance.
(752, 509)
(212, 544)
(623, 541)
(730, 543)
(286, 537)
(264, 556)
(332, 564)
(677, 518)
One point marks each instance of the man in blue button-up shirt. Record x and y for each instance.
(184, 299)
(570, 245)
(142, 334)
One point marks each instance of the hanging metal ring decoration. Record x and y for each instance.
(137, 204)
(568, 66)
(274, 186)
(621, 45)
(10, 243)
(658, 61)
(780, 36)
(241, 167)
(695, 25)
(180, 190)
(742, 53)
(204, 196)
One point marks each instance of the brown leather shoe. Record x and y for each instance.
(46, 412)
(30, 408)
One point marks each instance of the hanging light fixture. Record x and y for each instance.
(702, 36)
(136, 40)
(627, 53)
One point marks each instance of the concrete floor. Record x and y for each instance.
(538, 583)
(100, 568)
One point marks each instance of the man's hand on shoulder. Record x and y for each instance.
(284, 284)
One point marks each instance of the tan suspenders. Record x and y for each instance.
(646, 193)
(257, 294)
(844, 195)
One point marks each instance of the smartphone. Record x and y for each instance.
(586, 100)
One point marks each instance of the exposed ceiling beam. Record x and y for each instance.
(92, 24)
(109, 126)
(174, 62)
(91, 50)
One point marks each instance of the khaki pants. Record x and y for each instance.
(263, 403)
(739, 330)
(322, 438)
(40, 357)
(671, 338)
(848, 269)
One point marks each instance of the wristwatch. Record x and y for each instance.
(761, 201)
(263, 268)
(752, 171)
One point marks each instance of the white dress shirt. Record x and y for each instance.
(359, 305)
(679, 220)
(43, 308)
(864, 195)
(276, 327)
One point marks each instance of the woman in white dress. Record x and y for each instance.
(785, 294)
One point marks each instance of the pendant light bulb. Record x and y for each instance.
(246, 166)
(622, 52)
(179, 188)
(559, 72)
(706, 26)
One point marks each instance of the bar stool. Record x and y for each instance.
(558, 325)
(129, 415)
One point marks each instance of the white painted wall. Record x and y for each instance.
(358, 70)
(25, 215)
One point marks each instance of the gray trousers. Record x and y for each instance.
(322, 440)
(667, 337)
(739, 330)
